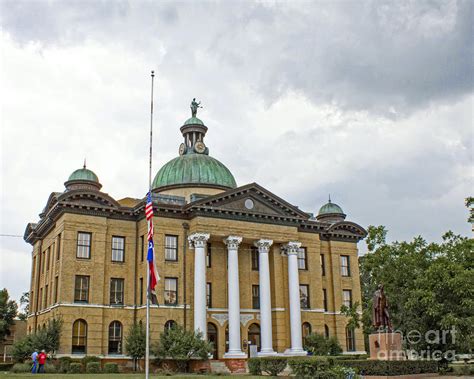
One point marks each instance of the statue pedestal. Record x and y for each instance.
(386, 346)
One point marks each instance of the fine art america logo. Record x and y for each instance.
(436, 338)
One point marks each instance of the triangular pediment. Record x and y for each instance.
(88, 199)
(250, 199)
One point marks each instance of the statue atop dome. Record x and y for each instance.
(194, 107)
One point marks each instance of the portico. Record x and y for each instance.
(234, 316)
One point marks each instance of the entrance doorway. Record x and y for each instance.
(254, 335)
(212, 337)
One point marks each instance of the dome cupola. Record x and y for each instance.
(83, 178)
(194, 167)
(330, 212)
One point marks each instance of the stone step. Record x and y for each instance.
(218, 367)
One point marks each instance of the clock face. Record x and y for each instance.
(199, 147)
(182, 149)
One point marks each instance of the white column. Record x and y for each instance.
(291, 249)
(199, 242)
(265, 297)
(235, 350)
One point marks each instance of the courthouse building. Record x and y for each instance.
(238, 263)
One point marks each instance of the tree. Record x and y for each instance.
(317, 344)
(25, 305)
(428, 286)
(46, 339)
(135, 343)
(182, 345)
(8, 310)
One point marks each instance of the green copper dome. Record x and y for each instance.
(330, 208)
(84, 174)
(200, 169)
(193, 121)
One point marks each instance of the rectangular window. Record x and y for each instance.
(116, 291)
(345, 266)
(302, 263)
(142, 247)
(255, 262)
(43, 259)
(171, 291)
(33, 269)
(347, 298)
(58, 251)
(350, 339)
(46, 293)
(141, 291)
(325, 300)
(208, 255)
(48, 258)
(83, 245)
(118, 249)
(304, 296)
(81, 289)
(56, 283)
(209, 295)
(40, 300)
(255, 297)
(171, 248)
(323, 264)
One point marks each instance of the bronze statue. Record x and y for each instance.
(194, 107)
(381, 317)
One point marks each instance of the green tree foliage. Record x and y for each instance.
(46, 339)
(25, 306)
(181, 345)
(8, 310)
(428, 286)
(318, 344)
(135, 342)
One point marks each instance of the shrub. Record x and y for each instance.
(89, 358)
(308, 367)
(50, 368)
(342, 372)
(375, 367)
(75, 368)
(64, 363)
(463, 370)
(93, 367)
(111, 368)
(273, 365)
(6, 366)
(21, 367)
(333, 346)
(254, 366)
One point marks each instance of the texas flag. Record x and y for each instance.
(152, 272)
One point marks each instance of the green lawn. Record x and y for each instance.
(107, 376)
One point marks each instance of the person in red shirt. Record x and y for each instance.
(41, 361)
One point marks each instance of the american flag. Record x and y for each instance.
(152, 272)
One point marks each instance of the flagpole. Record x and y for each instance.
(147, 348)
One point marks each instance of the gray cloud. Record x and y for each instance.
(369, 101)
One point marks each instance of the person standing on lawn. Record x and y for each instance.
(34, 358)
(42, 361)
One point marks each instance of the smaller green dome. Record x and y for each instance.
(84, 174)
(193, 121)
(330, 208)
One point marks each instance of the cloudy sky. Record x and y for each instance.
(370, 101)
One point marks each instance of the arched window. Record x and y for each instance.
(212, 337)
(79, 337)
(115, 337)
(254, 335)
(169, 324)
(350, 339)
(326, 331)
(306, 329)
